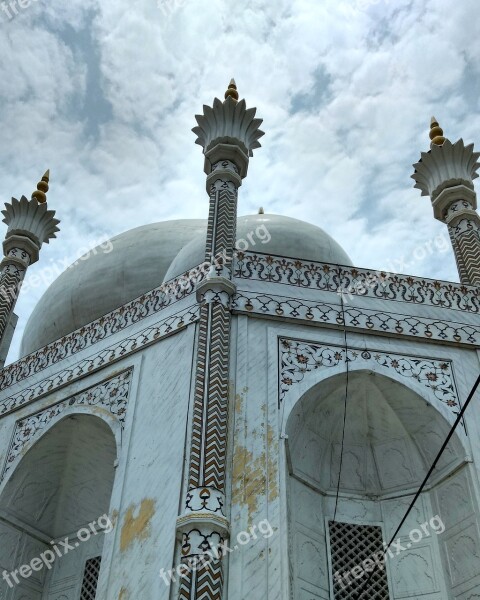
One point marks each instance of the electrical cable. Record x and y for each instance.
(427, 477)
(344, 404)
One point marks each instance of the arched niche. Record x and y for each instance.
(391, 438)
(61, 486)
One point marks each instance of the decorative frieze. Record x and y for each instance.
(356, 282)
(274, 269)
(331, 314)
(296, 358)
(107, 356)
(102, 328)
(111, 395)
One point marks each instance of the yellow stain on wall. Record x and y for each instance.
(137, 527)
(123, 594)
(255, 479)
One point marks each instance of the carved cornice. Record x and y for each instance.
(332, 315)
(273, 269)
(146, 305)
(98, 361)
(356, 282)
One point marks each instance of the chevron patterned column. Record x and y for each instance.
(30, 224)
(12, 271)
(228, 133)
(446, 174)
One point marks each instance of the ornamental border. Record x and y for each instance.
(335, 278)
(353, 318)
(115, 400)
(104, 357)
(435, 374)
(346, 280)
(121, 318)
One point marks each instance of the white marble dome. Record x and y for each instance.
(145, 256)
(286, 237)
(91, 288)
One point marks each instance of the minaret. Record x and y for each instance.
(30, 224)
(228, 133)
(446, 174)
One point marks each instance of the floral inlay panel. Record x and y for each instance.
(355, 281)
(298, 357)
(112, 395)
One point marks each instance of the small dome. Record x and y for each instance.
(269, 234)
(93, 287)
(140, 259)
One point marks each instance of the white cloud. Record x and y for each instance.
(342, 162)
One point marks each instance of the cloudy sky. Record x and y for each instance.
(104, 94)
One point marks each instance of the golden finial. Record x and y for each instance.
(40, 194)
(232, 91)
(436, 133)
(261, 211)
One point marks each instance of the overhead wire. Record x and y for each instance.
(344, 404)
(422, 486)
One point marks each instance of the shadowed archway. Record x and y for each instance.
(391, 438)
(62, 485)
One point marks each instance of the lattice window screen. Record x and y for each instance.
(350, 545)
(90, 578)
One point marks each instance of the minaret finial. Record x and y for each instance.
(232, 90)
(436, 133)
(40, 194)
(446, 173)
(228, 122)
